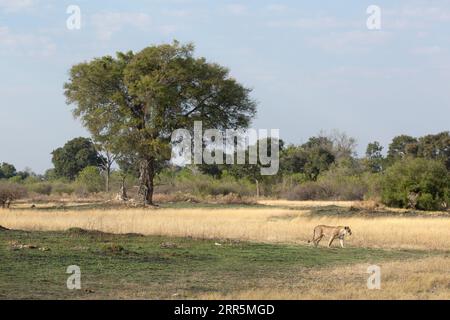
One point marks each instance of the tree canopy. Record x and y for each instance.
(74, 156)
(7, 171)
(432, 146)
(134, 101)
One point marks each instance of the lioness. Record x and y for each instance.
(333, 232)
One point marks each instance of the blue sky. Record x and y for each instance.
(313, 65)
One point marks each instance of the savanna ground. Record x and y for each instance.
(211, 251)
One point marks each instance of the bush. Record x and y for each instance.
(306, 191)
(90, 180)
(10, 192)
(416, 183)
(339, 183)
(186, 181)
(40, 188)
(15, 179)
(60, 188)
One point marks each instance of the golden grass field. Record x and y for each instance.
(254, 224)
(427, 278)
(292, 223)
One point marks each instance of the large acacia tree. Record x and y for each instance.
(135, 101)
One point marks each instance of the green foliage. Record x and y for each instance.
(15, 179)
(436, 147)
(374, 157)
(62, 187)
(311, 159)
(136, 100)
(339, 183)
(44, 188)
(401, 147)
(7, 171)
(374, 183)
(91, 179)
(196, 183)
(74, 156)
(32, 179)
(429, 179)
(50, 175)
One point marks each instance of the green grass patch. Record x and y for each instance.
(154, 267)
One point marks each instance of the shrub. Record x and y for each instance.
(15, 179)
(416, 183)
(10, 192)
(90, 180)
(40, 188)
(339, 183)
(340, 186)
(306, 191)
(199, 184)
(61, 188)
(31, 180)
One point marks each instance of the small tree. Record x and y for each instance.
(10, 192)
(401, 147)
(374, 157)
(91, 178)
(436, 147)
(107, 162)
(74, 156)
(417, 183)
(7, 171)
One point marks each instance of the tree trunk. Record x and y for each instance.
(108, 175)
(257, 188)
(122, 195)
(123, 190)
(147, 174)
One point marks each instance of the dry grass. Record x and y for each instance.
(308, 203)
(290, 222)
(368, 205)
(255, 224)
(419, 279)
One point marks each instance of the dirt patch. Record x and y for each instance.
(14, 245)
(168, 245)
(113, 248)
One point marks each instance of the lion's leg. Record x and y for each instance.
(316, 243)
(341, 240)
(331, 241)
(313, 238)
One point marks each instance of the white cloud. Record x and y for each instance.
(418, 17)
(429, 13)
(427, 51)
(167, 29)
(25, 44)
(306, 23)
(16, 5)
(350, 41)
(107, 23)
(276, 8)
(177, 13)
(236, 9)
